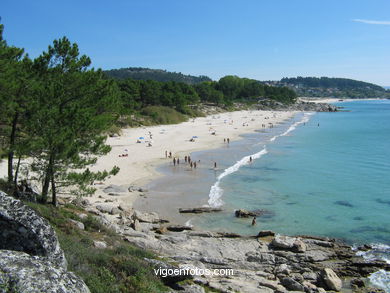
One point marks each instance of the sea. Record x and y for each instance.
(325, 174)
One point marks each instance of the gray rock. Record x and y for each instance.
(83, 216)
(104, 208)
(147, 217)
(241, 213)
(115, 211)
(100, 244)
(199, 210)
(21, 229)
(137, 226)
(283, 242)
(332, 281)
(266, 233)
(77, 224)
(32, 274)
(292, 285)
(115, 189)
(178, 228)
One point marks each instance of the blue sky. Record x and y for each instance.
(259, 39)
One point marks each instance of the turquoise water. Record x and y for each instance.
(329, 180)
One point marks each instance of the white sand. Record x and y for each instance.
(138, 167)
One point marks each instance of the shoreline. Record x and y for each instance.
(140, 167)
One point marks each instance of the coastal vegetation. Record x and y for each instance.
(57, 111)
(140, 73)
(333, 87)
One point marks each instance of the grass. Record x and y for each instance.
(119, 268)
(163, 115)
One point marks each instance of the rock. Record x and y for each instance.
(244, 214)
(178, 228)
(299, 246)
(162, 269)
(162, 230)
(100, 244)
(77, 224)
(266, 233)
(115, 211)
(104, 208)
(357, 283)
(147, 217)
(22, 229)
(136, 226)
(81, 202)
(199, 210)
(292, 285)
(115, 189)
(283, 269)
(82, 216)
(191, 288)
(332, 281)
(31, 274)
(283, 242)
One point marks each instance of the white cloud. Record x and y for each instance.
(382, 22)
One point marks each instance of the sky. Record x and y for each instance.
(259, 39)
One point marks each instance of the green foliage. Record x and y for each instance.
(121, 268)
(163, 115)
(334, 87)
(138, 73)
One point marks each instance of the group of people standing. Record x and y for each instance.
(187, 160)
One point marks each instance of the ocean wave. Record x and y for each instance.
(216, 192)
(381, 278)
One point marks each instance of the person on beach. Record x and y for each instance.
(194, 165)
(250, 159)
(228, 140)
(215, 165)
(185, 159)
(254, 221)
(191, 165)
(166, 154)
(224, 140)
(178, 161)
(174, 161)
(189, 159)
(170, 155)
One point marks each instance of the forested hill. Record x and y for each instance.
(139, 73)
(333, 87)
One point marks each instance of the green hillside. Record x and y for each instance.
(333, 87)
(139, 73)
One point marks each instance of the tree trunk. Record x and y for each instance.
(47, 180)
(11, 148)
(17, 172)
(53, 190)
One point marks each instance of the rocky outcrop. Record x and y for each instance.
(31, 259)
(268, 104)
(264, 263)
(199, 210)
(20, 272)
(21, 229)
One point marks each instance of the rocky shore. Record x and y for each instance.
(268, 262)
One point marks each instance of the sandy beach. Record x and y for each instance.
(138, 161)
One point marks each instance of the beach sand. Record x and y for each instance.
(138, 166)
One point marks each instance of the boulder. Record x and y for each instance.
(136, 226)
(20, 272)
(292, 285)
(22, 229)
(332, 281)
(178, 228)
(104, 208)
(115, 189)
(199, 210)
(241, 213)
(147, 217)
(77, 224)
(266, 233)
(115, 211)
(283, 242)
(100, 244)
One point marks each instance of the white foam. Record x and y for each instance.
(188, 223)
(381, 279)
(216, 192)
